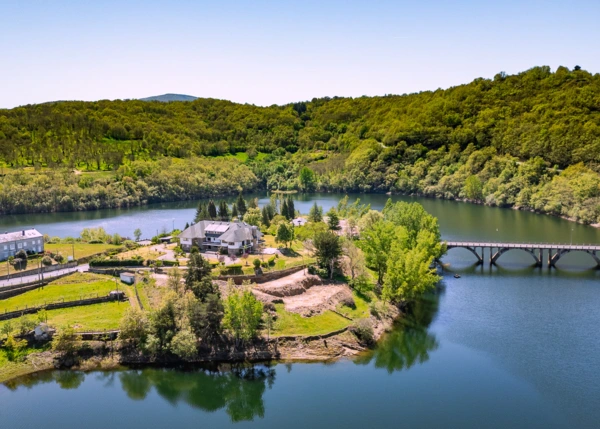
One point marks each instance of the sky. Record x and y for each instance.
(277, 52)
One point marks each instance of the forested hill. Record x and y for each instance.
(503, 141)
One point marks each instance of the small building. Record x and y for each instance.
(231, 237)
(128, 278)
(166, 240)
(29, 240)
(299, 221)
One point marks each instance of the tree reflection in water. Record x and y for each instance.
(409, 342)
(239, 390)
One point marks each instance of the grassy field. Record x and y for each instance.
(145, 252)
(293, 324)
(33, 263)
(82, 250)
(97, 317)
(68, 288)
(360, 312)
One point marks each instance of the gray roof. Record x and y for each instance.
(19, 235)
(229, 231)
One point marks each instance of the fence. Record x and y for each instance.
(57, 305)
(37, 271)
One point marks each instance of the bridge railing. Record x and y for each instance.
(532, 245)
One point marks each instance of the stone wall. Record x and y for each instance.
(265, 277)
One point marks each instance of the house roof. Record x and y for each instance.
(19, 235)
(228, 231)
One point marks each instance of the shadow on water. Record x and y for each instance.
(410, 342)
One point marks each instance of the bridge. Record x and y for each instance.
(536, 250)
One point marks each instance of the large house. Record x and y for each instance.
(29, 240)
(230, 237)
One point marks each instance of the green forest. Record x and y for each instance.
(530, 140)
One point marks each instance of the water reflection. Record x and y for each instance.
(410, 342)
(238, 390)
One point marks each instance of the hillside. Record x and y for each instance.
(530, 140)
(170, 97)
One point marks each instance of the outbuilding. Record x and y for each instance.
(128, 278)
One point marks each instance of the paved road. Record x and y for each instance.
(35, 277)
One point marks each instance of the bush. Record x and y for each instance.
(194, 249)
(47, 260)
(364, 331)
(256, 263)
(233, 269)
(378, 309)
(59, 258)
(169, 263)
(271, 260)
(130, 244)
(21, 254)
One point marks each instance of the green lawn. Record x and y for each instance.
(97, 317)
(361, 311)
(82, 250)
(68, 288)
(293, 324)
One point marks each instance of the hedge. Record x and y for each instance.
(116, 262)
(169, 263)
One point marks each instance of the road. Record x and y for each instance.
(35, 277)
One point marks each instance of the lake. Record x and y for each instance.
(505, 346)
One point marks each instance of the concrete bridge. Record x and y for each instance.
(536, 250)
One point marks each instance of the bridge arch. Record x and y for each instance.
(555, 258)
(503, 250)
(470, 249)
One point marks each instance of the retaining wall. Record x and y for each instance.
(265, 277)
(19, 274)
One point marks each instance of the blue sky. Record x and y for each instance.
(275, 52)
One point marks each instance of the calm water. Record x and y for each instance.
(509, 346)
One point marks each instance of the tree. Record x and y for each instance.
(285, 233)
(376, 242)
(212, 210)
(409, 273)
(473, 188)
(223, 211)
(137, 234)
(234, 212)
(243, 313)
(327, 250)
(241, 205)
(354, 261)
(291, 209)
(333, 220)
(66, 341)
(205, 317)
(265, 219)
(13, 347)
(174, 280)
(253, 216)
(134, 327)
(200, 212)
(307, 179)
(198, 278)
(284, 210)
(184, 344)
(316, 213)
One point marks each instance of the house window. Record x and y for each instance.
(19, 245)
(12, 246)
(5, 247)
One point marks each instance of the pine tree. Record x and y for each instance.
(201, 208)
(187, 225)
(291, 208)
(265, 217)
(316, 213)
(234, 212)
(223, 210)
(284, 209)
(253, 204)
(334, 220)
(212, 209)
(241, 206)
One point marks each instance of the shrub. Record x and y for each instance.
(59, 258)
(364, 331)
(256, 263)
(194, 249)
(21, 254)
(378, 309)
(169, 263)
(47, 260)
(271, 260)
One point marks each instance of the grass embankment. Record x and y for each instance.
(82, 250)
(16, 368)
(288, 323)
(146, 252)
(97, 317)
(71, 288)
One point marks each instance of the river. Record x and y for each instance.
(505, 346)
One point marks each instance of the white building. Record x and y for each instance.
(234, 237)
(29, 240)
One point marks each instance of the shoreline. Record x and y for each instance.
(328, 347)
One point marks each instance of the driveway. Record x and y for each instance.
(35, 277)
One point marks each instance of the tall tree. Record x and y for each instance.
(333, 221)
(327, 250)
(241, 205)
(212, 209)
(223, 210)
(376, 242)
(316, 213)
